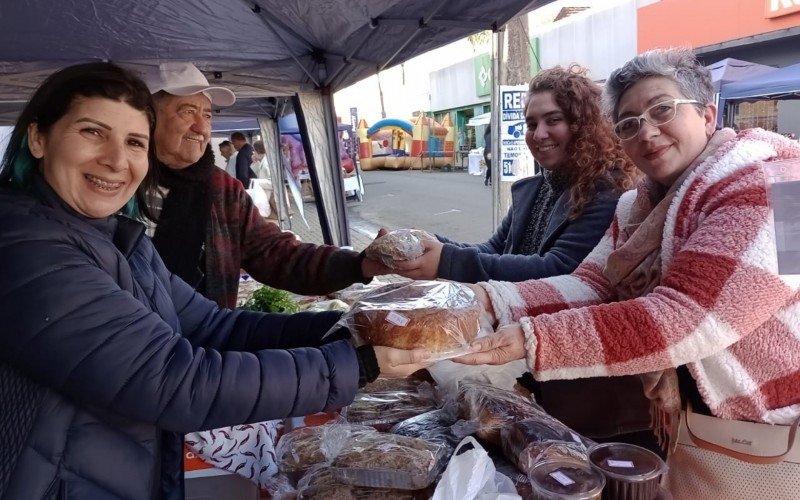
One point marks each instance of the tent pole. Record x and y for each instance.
(324, 227)
(422, 24)
(329, 113)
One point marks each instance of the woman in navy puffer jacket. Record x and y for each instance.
(106, 359)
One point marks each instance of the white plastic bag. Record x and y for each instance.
(260, 197)
(471, 475)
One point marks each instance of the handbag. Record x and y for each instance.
(733, 459)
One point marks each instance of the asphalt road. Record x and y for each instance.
(453, 204)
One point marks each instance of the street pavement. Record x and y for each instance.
(453, 204)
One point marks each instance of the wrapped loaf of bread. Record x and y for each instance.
(491, 408)
(440, 316)
(398, 245)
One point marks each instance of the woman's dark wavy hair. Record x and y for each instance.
(595, 154)
(53, 99)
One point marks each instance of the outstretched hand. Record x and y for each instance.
(505, 345)
(371, 267)
(425, 267)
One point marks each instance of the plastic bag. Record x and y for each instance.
(528, 442)
(433, 427)
(448, 374)
(320, 483)
(492, 408)
(302, 448)
(398, 245)
(384, 408)
(442, 317)
(382, 460)
(260, 199)
(472, 475)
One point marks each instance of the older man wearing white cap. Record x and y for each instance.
(208, 228)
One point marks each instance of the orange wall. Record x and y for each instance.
(696, 23)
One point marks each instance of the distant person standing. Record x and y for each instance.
(487, 155)
(260, 165)
(228, 152)
(245, 151)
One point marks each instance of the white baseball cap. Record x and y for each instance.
(183, 78)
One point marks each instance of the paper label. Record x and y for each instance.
(397, 319)
(561, 478)
(627, 464)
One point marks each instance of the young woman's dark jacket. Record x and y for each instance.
(106, 359)
(564, 245)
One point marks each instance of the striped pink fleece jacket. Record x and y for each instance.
(721, 307)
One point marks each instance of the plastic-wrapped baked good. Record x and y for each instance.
(381, 460)
(302, 448)
(382, 385)
(528, 442)
(384, 408)
(442, 317)
(321, 484)
(566, 479)
(398, 245)
(632, 472)
(433, 427)
(492, 408)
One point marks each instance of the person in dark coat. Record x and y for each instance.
(558, 216)
(243, 160)
(107, 358)
(556, 219)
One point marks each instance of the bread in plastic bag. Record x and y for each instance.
(398, 245)
(492, 408)
(442, 317)
(381, 408)
(382, 460)
(528, 442)
(354, 292)
(320, 483)
(436, 427)
(302, 448)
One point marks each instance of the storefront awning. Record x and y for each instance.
(479, 120)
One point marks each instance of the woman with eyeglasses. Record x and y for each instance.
(684, 288)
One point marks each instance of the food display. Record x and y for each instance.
(387, 461)
(398, 245)
(492, 408)
(442, 317)
(632, 472)
(566, 479)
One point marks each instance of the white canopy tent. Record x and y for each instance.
(271, 53)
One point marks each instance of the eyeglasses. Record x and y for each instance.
(657, 114)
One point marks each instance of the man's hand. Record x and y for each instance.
(400, 363)
(425, 267)
(370, 267)
(507, 344)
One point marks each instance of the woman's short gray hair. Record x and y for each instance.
(679, 65)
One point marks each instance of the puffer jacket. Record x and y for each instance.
(106, 359)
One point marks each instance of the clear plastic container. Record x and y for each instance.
(566, 480)
(632, 472)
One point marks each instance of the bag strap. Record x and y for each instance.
(745, 457)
